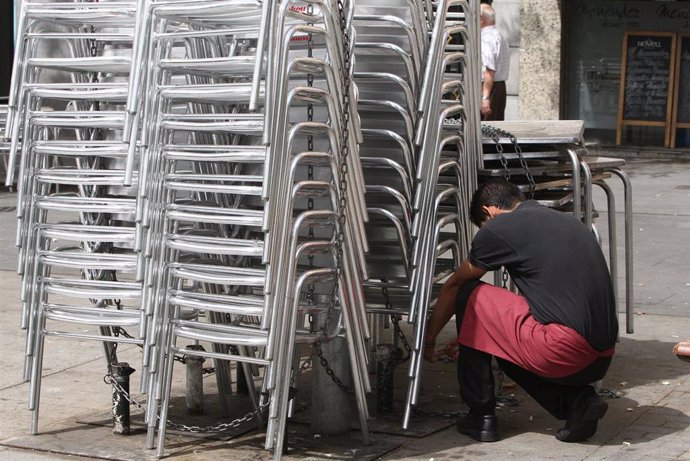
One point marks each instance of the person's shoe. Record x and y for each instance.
(483, 428)
(588, 408)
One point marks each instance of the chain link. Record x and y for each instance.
(330, 372)
(608, 393)
(183, 360)
(344, 148)
(437, 414)
(222, 427)
(342, 192)
(396, 323)
(495, 133)
(117, 331)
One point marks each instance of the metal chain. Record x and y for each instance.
(222, 427)
(329, 371)
(310, 148)
(489, 131)
(117, 331)
(608, 393)
(342, 192)
(494, 133)
(442, 414)
(307, 363)
(396, 323)
(344, 150)
(183, 360)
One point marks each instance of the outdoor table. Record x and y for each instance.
(556, 149)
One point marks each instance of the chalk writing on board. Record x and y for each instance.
(647, 77)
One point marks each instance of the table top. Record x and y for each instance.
(541, 131)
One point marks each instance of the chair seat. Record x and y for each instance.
(79, 119)
(246, 124)
(221, 184)
(78, 203)
(96, 289)
(230, 304)
(108, 64)
(220, 275)
(215, 153)
(220, 333)
(77, 177)
(80, 148)
(221, 93)
(110, 94)
(216, 245)
(87, 233)
(215, 215)
(228, 66)
(92, 315)
(82, 260)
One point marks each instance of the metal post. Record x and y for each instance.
(194, 380)
(121, 372)
(629, 296)
(331, 406)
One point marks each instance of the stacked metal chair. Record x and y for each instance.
(76, 216)
(447, 174)
(4, 145)
(223, 138)
(253, 197)
(419, 165)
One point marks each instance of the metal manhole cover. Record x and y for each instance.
(6, 209)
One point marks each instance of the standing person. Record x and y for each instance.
(495, 66)
(553, 340)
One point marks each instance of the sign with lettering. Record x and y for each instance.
(681, 105)
(646, 84)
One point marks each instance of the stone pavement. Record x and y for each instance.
(650, 419)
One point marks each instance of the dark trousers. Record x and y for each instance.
(497, 102)
(476, 378)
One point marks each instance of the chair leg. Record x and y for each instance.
(165, 401)
(36, 372)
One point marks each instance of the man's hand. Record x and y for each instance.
(486, 108)
(430, 354)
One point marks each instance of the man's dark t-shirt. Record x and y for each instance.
(557, 264)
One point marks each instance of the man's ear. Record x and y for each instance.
(487, 212)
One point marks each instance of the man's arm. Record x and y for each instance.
(445, 304)
(487, 85)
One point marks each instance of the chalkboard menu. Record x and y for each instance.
(683, 78)
(647, 80)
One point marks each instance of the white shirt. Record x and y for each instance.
(495, 53)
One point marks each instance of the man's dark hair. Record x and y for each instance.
(497, 192)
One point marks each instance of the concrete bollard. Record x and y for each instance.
(385, 367)
(121, 416)
(331, 406)
(194, 381)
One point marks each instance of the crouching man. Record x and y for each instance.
(555, 338)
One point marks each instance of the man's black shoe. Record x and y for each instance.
(483, 428)
(588, 408)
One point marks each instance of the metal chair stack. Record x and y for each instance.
(253, 197)
(207, 155)
(76, 216)
(448, 158)
(419, 161)
(446, 139)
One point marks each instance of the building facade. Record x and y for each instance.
(567, 58)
